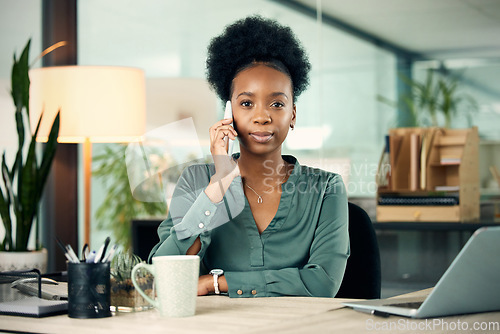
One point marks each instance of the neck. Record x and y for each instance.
(257, 167)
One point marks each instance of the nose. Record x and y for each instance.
(261, 115)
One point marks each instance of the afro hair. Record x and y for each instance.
(255, 40)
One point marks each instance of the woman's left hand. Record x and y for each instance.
(205, 285)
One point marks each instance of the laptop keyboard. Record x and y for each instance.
(413, 305)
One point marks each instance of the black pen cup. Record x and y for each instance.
(89, 290)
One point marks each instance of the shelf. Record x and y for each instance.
(451, 141)
(438, 164)
(425, 158)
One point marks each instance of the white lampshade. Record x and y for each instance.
(98, 103)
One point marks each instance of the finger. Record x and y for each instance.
(222, 122)
(213, 128)
(222, 133)
(226, 130)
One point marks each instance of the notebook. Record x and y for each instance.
(21, 298)
(469, 285)
(34, 307)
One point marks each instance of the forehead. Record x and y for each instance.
(262, 79)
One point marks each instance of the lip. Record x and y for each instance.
(261, 137)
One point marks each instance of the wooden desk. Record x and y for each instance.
(220, 314)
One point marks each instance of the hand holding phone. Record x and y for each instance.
(228, 113)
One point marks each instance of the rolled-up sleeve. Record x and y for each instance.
(192, 213)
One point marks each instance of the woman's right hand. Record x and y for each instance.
(224, 164)
(219, 131)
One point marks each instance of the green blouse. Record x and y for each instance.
(303, 251)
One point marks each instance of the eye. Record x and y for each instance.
(277, 105)
(246, 104)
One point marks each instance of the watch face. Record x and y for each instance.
(217, 272)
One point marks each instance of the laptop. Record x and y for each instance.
(470, 285)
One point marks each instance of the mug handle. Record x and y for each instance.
(149, 268)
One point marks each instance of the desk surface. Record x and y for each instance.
(220, 314)
(432, 226)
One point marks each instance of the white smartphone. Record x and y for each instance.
(228, 113)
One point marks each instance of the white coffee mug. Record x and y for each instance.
(176, 282)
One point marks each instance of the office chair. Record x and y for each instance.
(362, 277)
(144, 236)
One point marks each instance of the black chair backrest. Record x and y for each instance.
(362, 277)
(144, 236)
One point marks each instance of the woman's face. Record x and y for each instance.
(263, 108)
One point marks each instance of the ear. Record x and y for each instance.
(294, 116)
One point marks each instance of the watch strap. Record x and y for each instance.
(216, 284)
(216, 273)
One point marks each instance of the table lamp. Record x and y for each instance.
(98, 104)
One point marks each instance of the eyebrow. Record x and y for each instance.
(279, 94)
(272, 94)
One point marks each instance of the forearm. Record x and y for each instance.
(206, 284)
(310, 281)
(195, 248)
(220, 184)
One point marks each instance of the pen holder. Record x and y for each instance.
(89, 290)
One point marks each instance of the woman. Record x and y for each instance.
(262, 224)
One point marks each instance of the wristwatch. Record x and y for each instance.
(216, 273)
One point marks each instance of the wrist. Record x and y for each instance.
(217, 275)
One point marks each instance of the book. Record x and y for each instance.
(427, 142)
(414, 161)
(496, 174)
(418, 200)
(34, 307)
(384, 166)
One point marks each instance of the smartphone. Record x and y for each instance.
(228, 113)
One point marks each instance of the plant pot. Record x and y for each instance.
(125, 298)
(18, 261)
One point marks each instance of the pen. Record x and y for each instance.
(372, 312)
(106, 244)
(91, 257)
(100, 252)
(110, 254)
(85, 252)
(72, 254)
(66, 253)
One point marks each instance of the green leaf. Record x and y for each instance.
(20, 80)
(48, 153)
(5, 207)
(28, 196)
(20, 137)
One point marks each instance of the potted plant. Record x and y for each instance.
(120, 206)
(434, 99)
(22, 184)
(124, 296)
